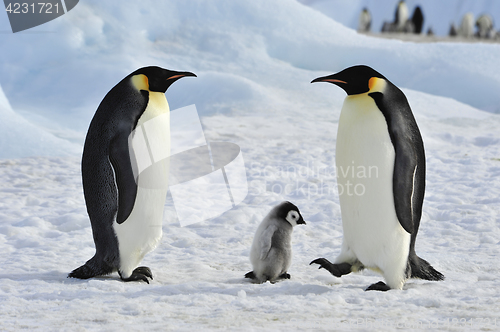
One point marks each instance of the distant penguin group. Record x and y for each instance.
(482, 28)
(376, 128)
(403, 23)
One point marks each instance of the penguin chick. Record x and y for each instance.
(271, 253)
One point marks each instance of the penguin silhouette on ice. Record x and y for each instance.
(126, 208)
(401, 16)
(378, 135)
(271, 253)
(417, 20)
(365, 21)
(466, 29)
(484, 25)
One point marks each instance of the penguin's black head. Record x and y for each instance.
(158, 79)
(290, 213)
(354, 80)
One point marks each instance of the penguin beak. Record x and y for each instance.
(330, 79)
(301, 221)
(180, 75)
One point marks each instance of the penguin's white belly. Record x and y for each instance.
(141, 232)
(365, 162)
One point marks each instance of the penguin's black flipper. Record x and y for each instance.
(379, 286)
(127, 187)
(140, 273)
(250, 275)
(337, 270)
(409, 164)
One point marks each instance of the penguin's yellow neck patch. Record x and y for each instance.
(377, 84)
(140, 82)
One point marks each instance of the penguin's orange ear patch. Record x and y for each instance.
(371, 82)
(140, 82)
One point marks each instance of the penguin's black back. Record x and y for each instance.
(418, 19)
(408, 182)
(107, 143)
(408, 189)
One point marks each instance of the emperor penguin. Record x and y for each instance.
(380, 164)
(126, 208)
(453, 30)
(401, 16)
(417, 20)
(484, 25)
(271, 252)
(466, 29)
(365, 21)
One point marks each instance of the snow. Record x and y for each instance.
(21, 138)
(254, 61)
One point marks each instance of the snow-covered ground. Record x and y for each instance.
(254, 61)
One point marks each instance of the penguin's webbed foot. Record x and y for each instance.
(250, 275)
(379, 286)
(285, 276)
(83, 272)
(140, 273)
(337, 270)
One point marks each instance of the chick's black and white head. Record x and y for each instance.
(290, 213)
(356, 80)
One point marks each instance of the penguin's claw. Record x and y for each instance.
(337, 270)
(140, 273)
(323, 262)
(379, 286)
(285, 276)
(144, 270)
(250, 275)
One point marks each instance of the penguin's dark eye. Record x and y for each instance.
(292, 217)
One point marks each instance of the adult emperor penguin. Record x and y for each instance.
(466, 29)
(379, 154)
(417, 20)
(126, 208)
(401, 16)
(364, 21)
(271, 253)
